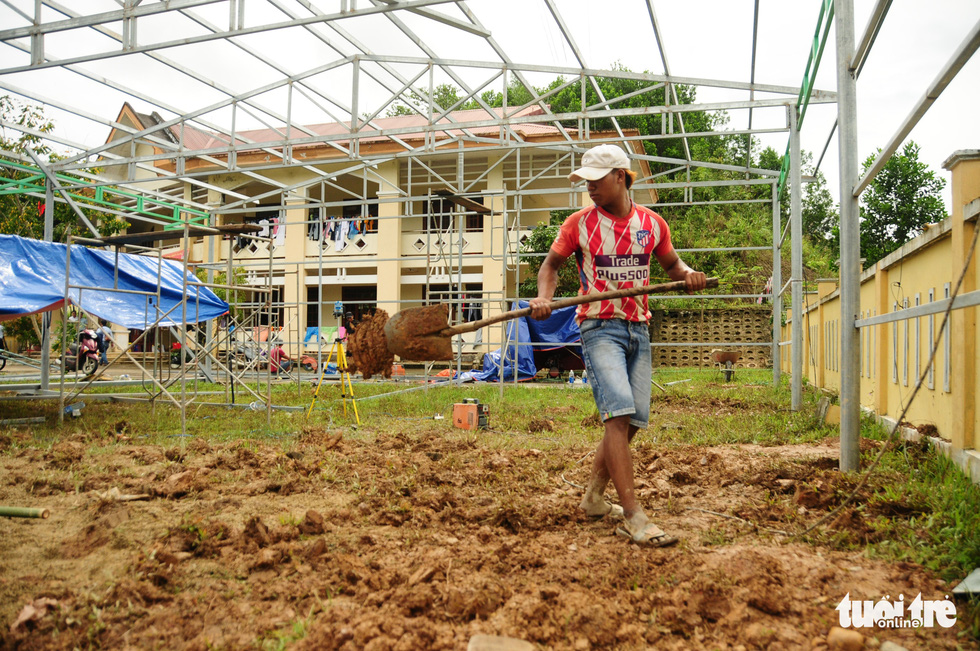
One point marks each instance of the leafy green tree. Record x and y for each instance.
(539, 243)
(901, 199)
(26, 330)
(819, 212)
(21, 214)
(233, 297)
(443, 95)
(569, 100)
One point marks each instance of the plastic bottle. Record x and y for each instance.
(571, 377)
(585, 377)
(75, 410)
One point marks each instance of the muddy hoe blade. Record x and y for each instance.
(424, 333)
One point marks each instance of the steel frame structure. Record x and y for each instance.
(361, 73)
(396, 77)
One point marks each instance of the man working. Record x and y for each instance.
(612, 242)
(103, 338)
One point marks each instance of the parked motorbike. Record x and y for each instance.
(83, 355)
(175, 356)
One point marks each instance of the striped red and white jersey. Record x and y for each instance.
(613, 253)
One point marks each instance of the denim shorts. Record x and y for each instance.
(617, 357)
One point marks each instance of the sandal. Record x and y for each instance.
(650, 536)
(614, 511)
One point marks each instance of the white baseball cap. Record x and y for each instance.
(599, 161)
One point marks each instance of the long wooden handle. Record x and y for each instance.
(662, 288)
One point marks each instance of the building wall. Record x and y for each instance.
(894, 356)
(402, 255)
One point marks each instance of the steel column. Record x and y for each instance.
(46, 317)
(776, 284)
(850, 241)
(796, 245)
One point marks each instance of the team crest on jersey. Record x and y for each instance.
(643, 237)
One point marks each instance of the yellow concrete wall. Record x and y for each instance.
(895, 355)
(896, 280)
(965, 168)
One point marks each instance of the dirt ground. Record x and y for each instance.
(420, 539)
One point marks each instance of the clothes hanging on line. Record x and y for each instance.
(278, 233)
(340, 235)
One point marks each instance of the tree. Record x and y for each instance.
(22, 214)
(707, 148)
(569, 100)
(819, 212)
(26, 330)
(901, 199)
(539, 243)
(444, 96)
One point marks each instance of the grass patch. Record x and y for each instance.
(917, 507)
(926, 508)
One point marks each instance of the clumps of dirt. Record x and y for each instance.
(541, 425)
(318, 436)
(927, 429)
(64, 455)
(175, 454)
(195, 537)
(180, 483)
(822, 492)
(312, 523)
(857, 526)
(95, 534)
(368, 347)
(145, 455)
(239, 458)
(592, 420)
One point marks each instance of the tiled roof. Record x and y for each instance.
(199, 139)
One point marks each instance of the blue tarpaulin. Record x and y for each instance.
(32, 280)
(554, 332)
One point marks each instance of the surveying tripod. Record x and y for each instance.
(346, 387)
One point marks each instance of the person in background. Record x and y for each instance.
(103, 337)
(279, 361)
(613, 242)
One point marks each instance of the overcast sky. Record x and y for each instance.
(712, 38)
(708, 39)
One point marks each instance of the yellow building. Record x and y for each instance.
(371, 222)
(895, 356)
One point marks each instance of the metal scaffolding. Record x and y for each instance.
(218, 95)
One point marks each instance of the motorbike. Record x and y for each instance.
(83, 355)
(175, 356)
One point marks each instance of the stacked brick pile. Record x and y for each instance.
(748, 325)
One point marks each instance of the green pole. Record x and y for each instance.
(23, 512)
